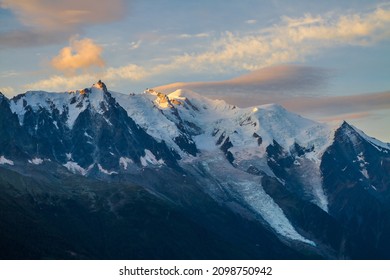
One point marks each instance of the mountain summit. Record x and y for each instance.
(166, 170)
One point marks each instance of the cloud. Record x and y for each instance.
(198, 35)
(353, 116)
(251, 21)
(290, 86)
(129, 72)
(306, 20)
(8, 91)
(64, 14)
(48, 22)
(30, 38)
(292, 40)
(353, 29)
(61, 83)
(270, 84)
(135, 45)
(81, 54)
(370, 112)
(338, 106)
(8, 74)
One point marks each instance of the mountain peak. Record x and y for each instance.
(345, 124)
(100, 85)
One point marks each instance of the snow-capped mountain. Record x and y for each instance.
(248, 177)
(86, 130)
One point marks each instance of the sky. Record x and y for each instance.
(326, 60)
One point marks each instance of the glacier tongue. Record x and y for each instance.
(263, 204)
(234, 187)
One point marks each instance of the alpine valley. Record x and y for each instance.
(96, 174)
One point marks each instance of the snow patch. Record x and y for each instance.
(36, 161)
(108, 121)
(150, 158)
(87, 135)
(313, 157)
(362, 164)
(124, 162)
(96, 99)
(105, 171)
(364, 173)
(205, 142)
(74, 111)
(296, 162)
(75, 168)
(4, 160)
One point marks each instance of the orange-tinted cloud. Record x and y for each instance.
(62, 15)
(51, 22)
(8, 91)
(81, 54)
(266, 85)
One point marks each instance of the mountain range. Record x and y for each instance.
(96, 174)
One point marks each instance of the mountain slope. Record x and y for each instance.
(260, 182)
